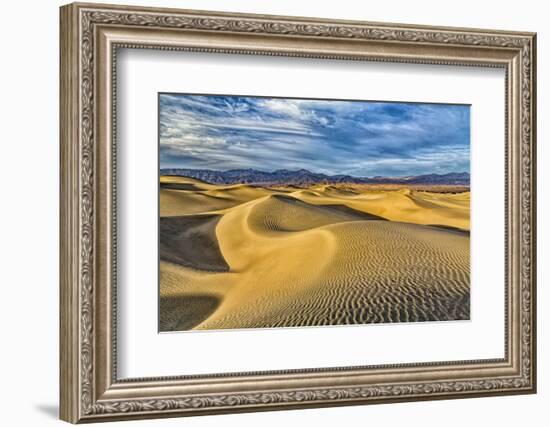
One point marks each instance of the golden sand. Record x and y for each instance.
(237, 256)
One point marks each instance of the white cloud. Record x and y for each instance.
(327, 136)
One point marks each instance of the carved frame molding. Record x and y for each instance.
(90, 37)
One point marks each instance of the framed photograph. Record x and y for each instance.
(266, 212)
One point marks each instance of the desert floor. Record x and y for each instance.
(239, 256)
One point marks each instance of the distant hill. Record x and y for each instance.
(303, 177)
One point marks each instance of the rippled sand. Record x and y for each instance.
(239, 256)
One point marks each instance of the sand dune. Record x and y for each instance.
(401, 205)
(305, 257)
(183, 196)
(191, 240)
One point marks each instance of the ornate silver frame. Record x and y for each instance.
(90, 36)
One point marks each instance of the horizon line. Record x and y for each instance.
(319, 173)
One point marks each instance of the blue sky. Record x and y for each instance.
(359, 138)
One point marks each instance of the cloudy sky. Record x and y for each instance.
(358, 138)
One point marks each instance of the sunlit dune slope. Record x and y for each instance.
(182, 196)
(318, 256)
(400, 205)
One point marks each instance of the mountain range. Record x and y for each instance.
(304, 177)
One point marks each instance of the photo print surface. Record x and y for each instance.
(287, 212)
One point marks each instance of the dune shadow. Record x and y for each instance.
(353, 214)
(184, 312)
(179, 186)
(191, 241)
(450, 228)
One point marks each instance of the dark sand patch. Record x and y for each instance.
(451, 229)
(179, 186)
(184, 312)
(191, 241)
